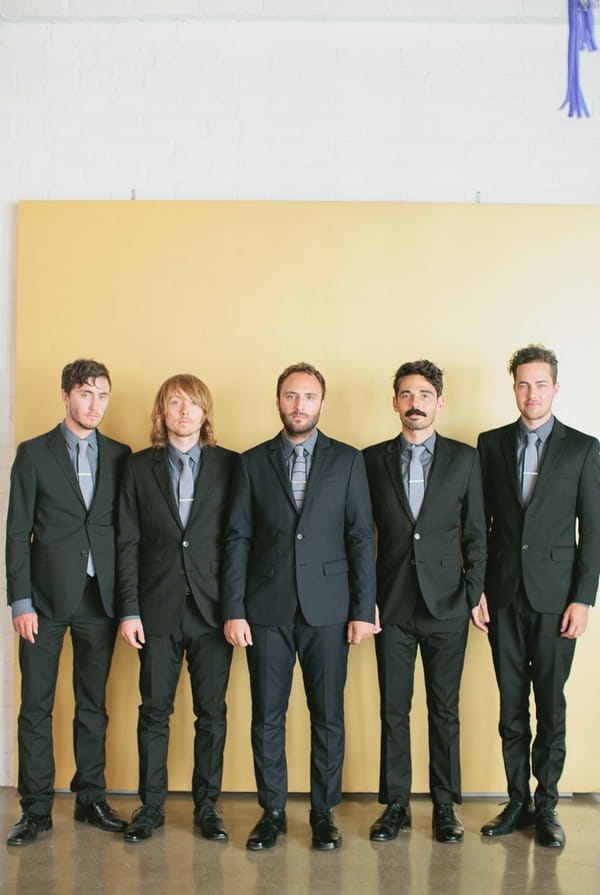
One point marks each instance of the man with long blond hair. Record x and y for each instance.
(172, 513)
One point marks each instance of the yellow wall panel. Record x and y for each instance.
(234, 292)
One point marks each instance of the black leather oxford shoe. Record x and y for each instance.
(396, 817)
(515, 816)
(210, 821)
(101, 815)
(144, 821)
(272, 824)
(548, 830)
(446, 824)
(325, 833)
(28, 827)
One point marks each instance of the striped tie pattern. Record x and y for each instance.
(299, 475)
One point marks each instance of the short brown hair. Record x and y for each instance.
(195, 389)
(302, 367)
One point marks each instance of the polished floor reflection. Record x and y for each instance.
(75, 858)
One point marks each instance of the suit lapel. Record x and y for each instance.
(319, 461)
(509, 453)
(163, 480)
(437, 470)
(276, 459)
(60, 452)
(552, 455)
(392, 463)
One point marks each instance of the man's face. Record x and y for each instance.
(86, 405)
(417, 403)
(299, 404)
(183, 417)
(534, 392)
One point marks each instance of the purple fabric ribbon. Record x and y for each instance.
(581, 37)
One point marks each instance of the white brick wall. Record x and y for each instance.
(243, 100)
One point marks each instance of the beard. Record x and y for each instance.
(302, 426)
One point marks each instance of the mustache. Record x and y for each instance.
(415, 412)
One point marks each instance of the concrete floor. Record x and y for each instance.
(76, 858)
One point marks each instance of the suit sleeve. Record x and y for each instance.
(19, 526)
(474, 534)
(360, 544)
(587, 560)
(128, 545)
(238, 540)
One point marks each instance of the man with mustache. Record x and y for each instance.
(428, 508)
(299, 580)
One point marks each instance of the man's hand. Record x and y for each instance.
(26, 625)
(132, 632)
(574, 621)
(358, 631)
(237, 632)
(480, 615)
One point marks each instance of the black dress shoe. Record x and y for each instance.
(515, 816)
(272, 824)
(212, 826)
(101, 815)
(396, 817)
(447, 826)
(144, 821)
(548, 831)
(28, 827)
(325, 833)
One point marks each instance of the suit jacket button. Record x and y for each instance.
(417, 536)
(525, 547)
(181, 572)
(185, 544)
(299, 536)
(83, 553)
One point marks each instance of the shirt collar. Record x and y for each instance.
(542, 432)
(175, 455)
(429, 443)
(308, 445)
(73, 440)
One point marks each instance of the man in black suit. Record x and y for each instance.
(60, 565)
(428, 509)
(542, 495)
(299, 579)
(171, 522)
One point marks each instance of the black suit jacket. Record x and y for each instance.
(445, 547)
(49, 531)
(322, 558)
(539, 543)
(158, 558)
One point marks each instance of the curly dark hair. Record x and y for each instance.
(80, 371)
(424, 368)
(530, 354)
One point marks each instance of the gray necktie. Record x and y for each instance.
(86, 486)
(299, 475)
(530, 466)
(416, 479)
(186, 489)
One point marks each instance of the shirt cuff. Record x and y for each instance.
(21, 607)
